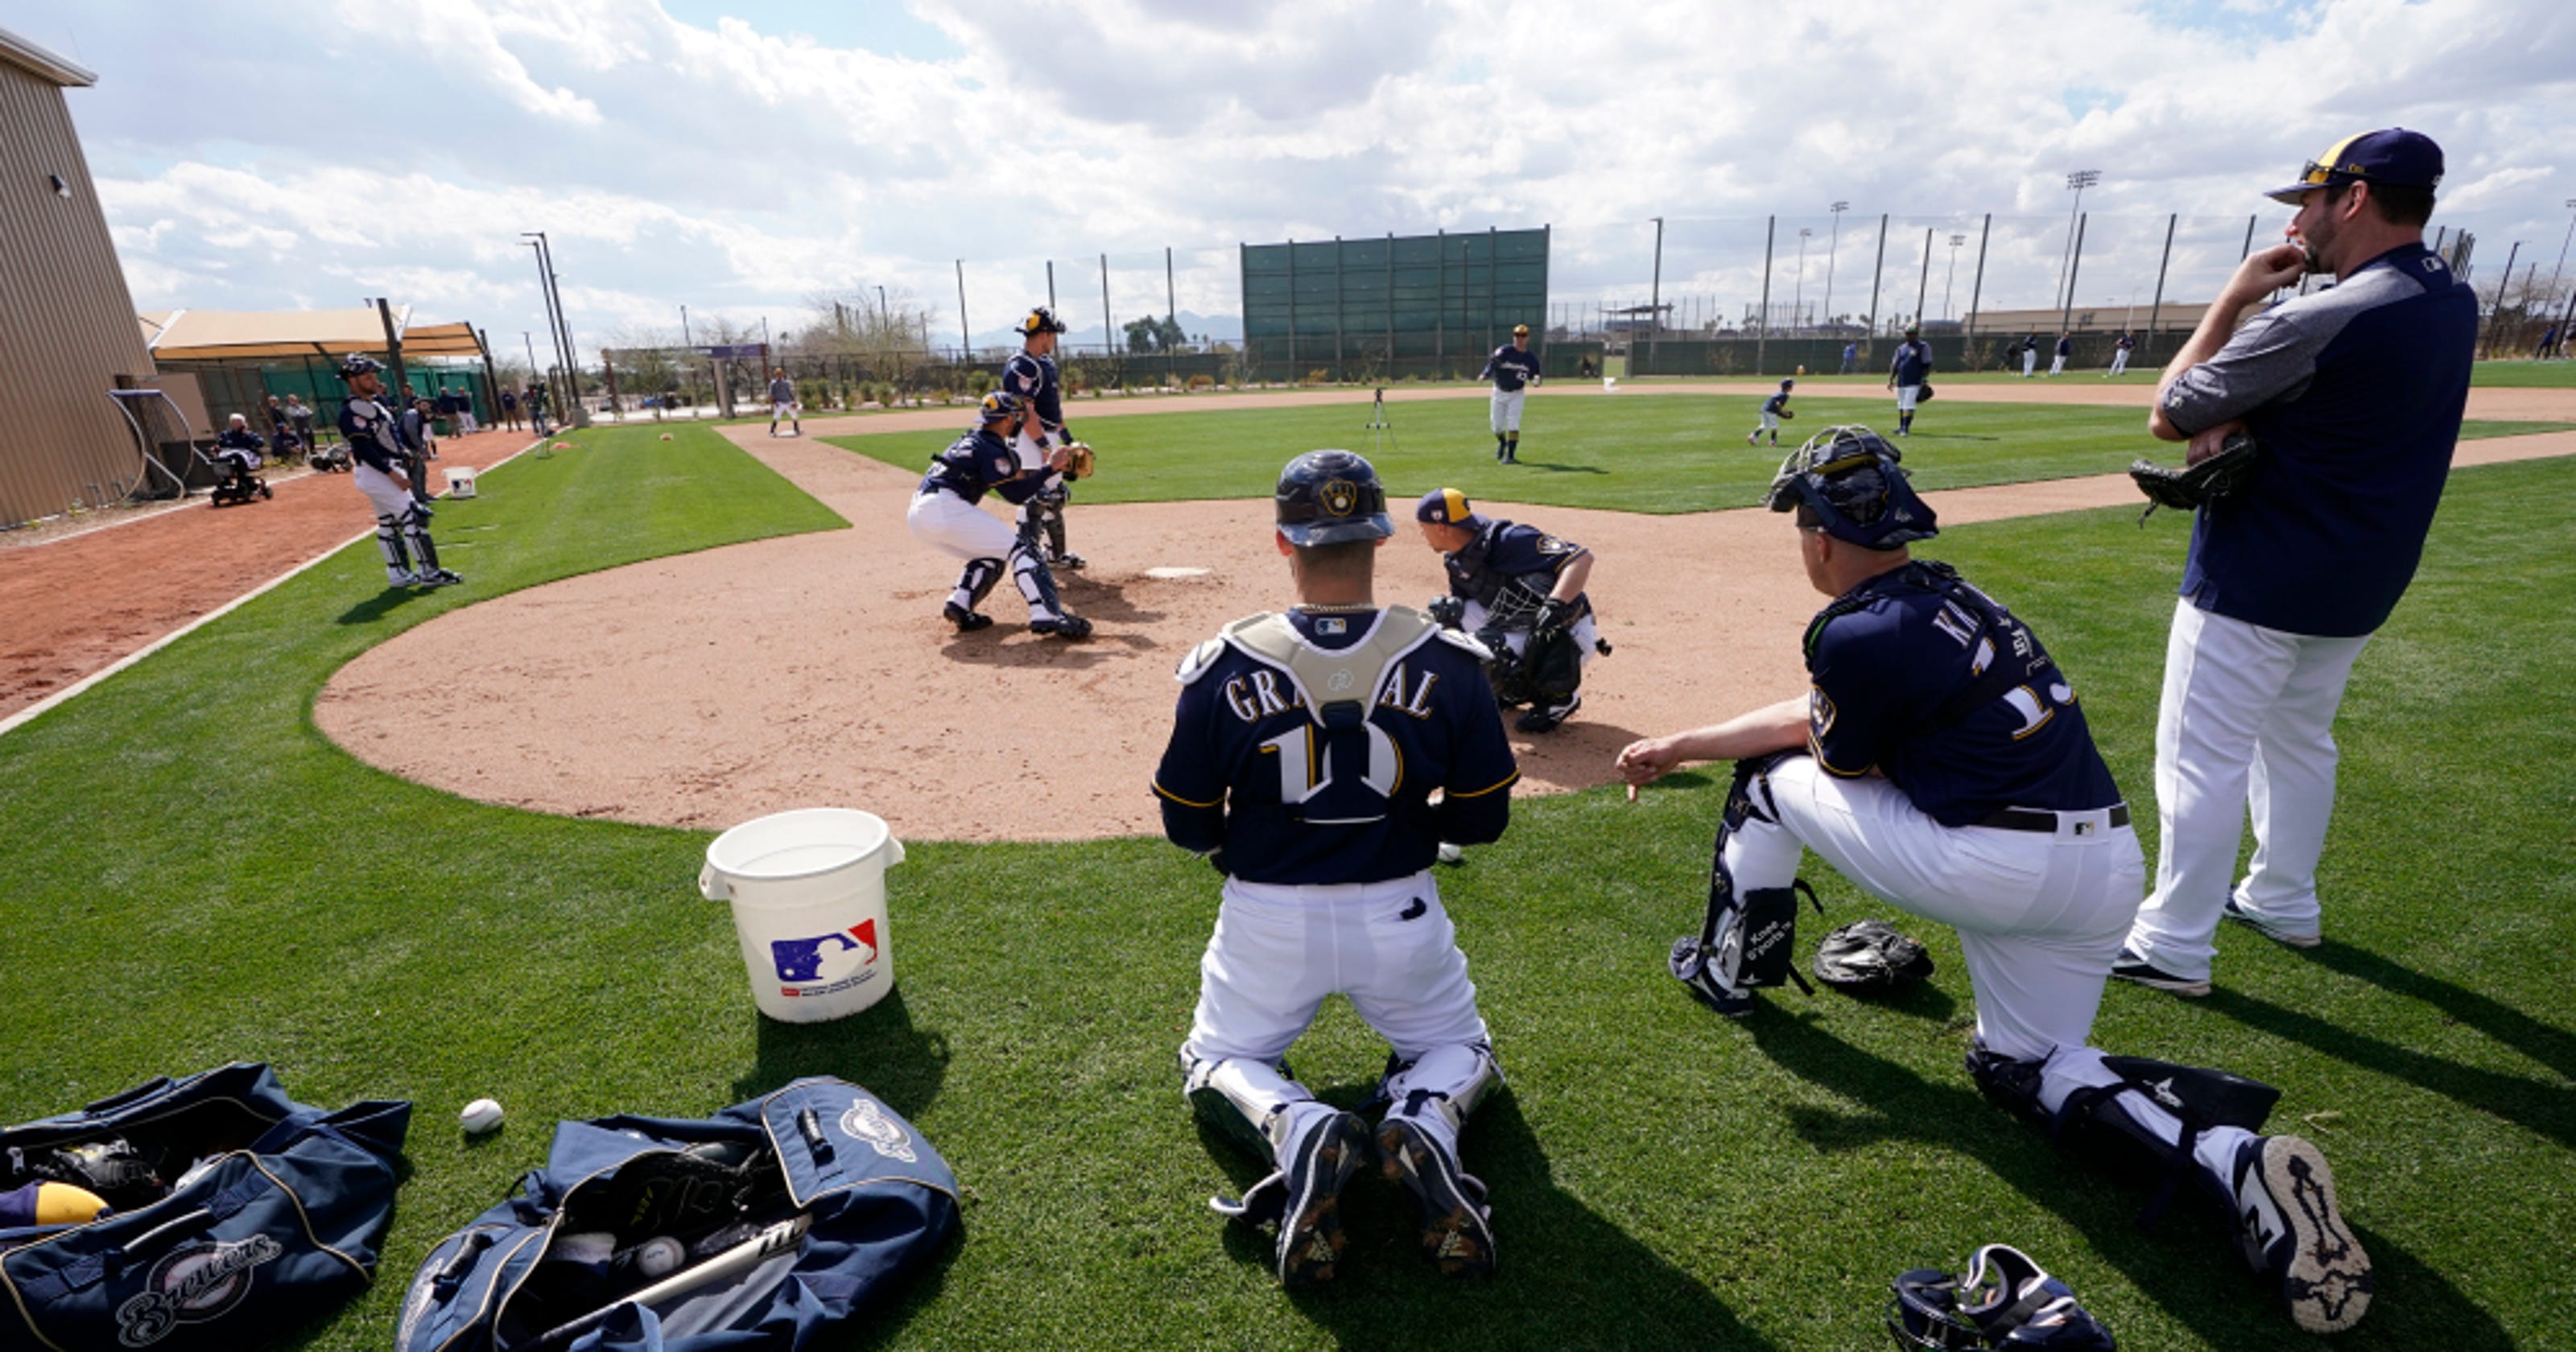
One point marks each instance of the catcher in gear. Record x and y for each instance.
(1519, 590)
(1305, 750)
(1031, 374)
(1940, 760)
(387, 463)
(992, 458)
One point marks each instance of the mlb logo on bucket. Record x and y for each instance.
(829, 959)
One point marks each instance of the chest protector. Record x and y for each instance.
(1337, 686)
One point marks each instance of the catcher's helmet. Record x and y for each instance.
(1848, 475)
(1041, 320)
(2004, 1301)
(357, 364)
(1328, 497)
(998, 405)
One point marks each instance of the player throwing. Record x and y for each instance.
(376, 441)
(1304, 755)
(993, 457)
(1939, 759)
(1773, 410)
(1031, 375)
(1512, 368)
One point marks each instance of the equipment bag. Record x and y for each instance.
(757, 1228)
(237, 1214)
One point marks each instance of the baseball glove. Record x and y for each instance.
(2196, 486)
(1083, 462)
(1787, 414)
(1867, 955)
(1923, 393)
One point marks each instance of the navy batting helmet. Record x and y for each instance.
(998, 405)
(1041, 320)
(1848, 476)
(356, 365)
(1328, 497)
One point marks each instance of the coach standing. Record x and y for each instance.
(2356, 395)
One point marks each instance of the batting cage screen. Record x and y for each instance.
(1375, 309)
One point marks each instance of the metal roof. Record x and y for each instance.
(42, 64)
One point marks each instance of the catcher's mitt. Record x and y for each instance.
(2195, 486)
(1867, 955)
(1083, 462)
(1788, 413)
(1923, 393)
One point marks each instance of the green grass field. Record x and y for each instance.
(198, 876)
(1647, 453)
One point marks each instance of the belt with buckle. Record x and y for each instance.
(2034, 819)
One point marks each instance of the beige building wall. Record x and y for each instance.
(67, 329)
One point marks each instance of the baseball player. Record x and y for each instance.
(993, 457)
(1305, 755)
(375, 440)
(1940, 760)
(1907, 373)
(1773, 410)
(782, 403)
(2029, 355)
(1031, 375)
(1519, 590)
(1512, 368)
(2355, 395)
(2065, 349)
(2120, 354)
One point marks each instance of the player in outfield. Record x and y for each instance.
(1304, 756)
(1512, 368)
(1939, 759)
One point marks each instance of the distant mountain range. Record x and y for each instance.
(1211, 328)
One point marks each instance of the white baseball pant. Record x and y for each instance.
(1507, 410)
(2119, 360)
(1905, 397)
(2057, 365)
(2029, 359)
(2247, 720)
(1473, 617)
(389, 498)
(2040, 916)
(949, 522)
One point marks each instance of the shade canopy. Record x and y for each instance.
(255, 335)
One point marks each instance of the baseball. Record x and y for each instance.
(480, 1116)
(1450, 854)
(659, 1256)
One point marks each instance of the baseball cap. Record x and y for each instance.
(1446, 507)
(1520, 330)
(2394, 156)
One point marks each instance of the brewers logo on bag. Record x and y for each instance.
(192, 1285)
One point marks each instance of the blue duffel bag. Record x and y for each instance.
(760, 1227)
(237, 1214)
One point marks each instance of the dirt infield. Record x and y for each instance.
(77, 603)
(815, 670)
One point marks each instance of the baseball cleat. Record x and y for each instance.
(1310, 1226)
(2292, 1232)
(1071, 563)
(1546, 718)
(967, 621)
(1752, 439)
(2130, 967)
(2235, 910)
(1690, 966)
(1062, 626)
(1456, 1231)
(437, 577)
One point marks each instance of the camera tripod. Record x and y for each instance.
(1378, 426)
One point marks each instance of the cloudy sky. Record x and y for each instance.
(740, 158)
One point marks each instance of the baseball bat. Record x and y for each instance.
(732, 1263)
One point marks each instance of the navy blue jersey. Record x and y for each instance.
(1509, 368)
(374, 435)
(1502, 557)
(1939, 688)
(1033, 378)
(1776, 402)
(2126, 342)
(1278, 795)
(2356, 395)
(2065, 346)
(782, 391)
(979, 463)
(1913, 363)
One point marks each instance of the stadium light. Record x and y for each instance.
(2078, 181)
(1952, 284)
(1798, 293)
(2562, 256)
(1831, 249)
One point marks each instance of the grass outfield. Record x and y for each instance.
(2524, 375)
(198, 876)
(1646, 453)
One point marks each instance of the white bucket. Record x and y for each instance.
(809, 905)
(460, 482)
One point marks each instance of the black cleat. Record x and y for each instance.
(967, 621)
(2293, 1233)
(1310, 1225)
(1546, 718)
(1455, 1229)
(2130, 967)
(1062, 626)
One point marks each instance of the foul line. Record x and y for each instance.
(29, 714)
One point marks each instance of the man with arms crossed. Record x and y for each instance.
(2355, 395)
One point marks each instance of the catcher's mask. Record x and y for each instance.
(2003, 1301)
(1849, 477)
(354, 366)
(1000, 406)
(1328, 497)
(1041, 320)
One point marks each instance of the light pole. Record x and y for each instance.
(1798, 292)
(2079, 181)
(1833, 245)
(1951, 284)
(2562, 257)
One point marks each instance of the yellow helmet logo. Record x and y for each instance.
(1339, 497)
